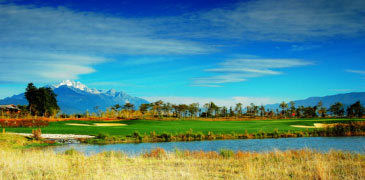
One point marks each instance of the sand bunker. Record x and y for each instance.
(97, 124)
(109, 124)
(315, 125)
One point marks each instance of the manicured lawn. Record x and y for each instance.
(147, 126)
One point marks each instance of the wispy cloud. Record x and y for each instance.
(356, 71)
(64, 29)
(48, 44)
(271, 20)
(44, 67)
(238, 70)
(288, 20)
(146, 60)
(304, 47)
(228, 102)
(82, 39)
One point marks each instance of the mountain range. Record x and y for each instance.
(75, 97)
(346, 99)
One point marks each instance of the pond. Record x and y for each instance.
(352, 144)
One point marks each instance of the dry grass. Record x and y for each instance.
(302, 164)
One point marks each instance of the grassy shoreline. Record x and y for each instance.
(166, 131)
(339, 130)
(20, 163)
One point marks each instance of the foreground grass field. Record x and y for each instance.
(298, 165)
(179, 126)
(20, 163)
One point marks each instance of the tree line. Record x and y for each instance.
(42, 102)
(211, 110)
(160, 109)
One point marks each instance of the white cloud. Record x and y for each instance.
(62, 29)
(39, 67)
(238, 70)
(220, 79)
(270, 20)
(288, 20)
(304, 47)
(230, 101)
(65, 44)
(356, 71)
(42, 44)
(146, 60)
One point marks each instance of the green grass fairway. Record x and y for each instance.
(147, 126)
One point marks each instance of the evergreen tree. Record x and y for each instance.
(41, 101)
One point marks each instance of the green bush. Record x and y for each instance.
(166, 136)
(226, 153)
(71, 152)
(102, 135)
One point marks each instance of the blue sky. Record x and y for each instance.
(261, 51)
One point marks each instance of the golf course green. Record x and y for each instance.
(127, 127)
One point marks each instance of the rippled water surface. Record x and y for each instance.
(353, 144)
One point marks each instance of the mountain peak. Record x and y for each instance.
(75, 97)
(71, 83)
(77, 85)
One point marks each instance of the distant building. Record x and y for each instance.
(9, 108)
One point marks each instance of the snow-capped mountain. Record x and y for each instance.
(77, 85)
(75, 97)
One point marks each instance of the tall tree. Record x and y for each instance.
(193, 109)
(262, 111)
(254, 109)
(207, 107)
(337, 109)
(166, 108)
(144, 108)
(238, 109)
(128, 107)
(355, 110)
(41, 101)
(292, 108)
(283, 107)
(156, 106)
(116, 107)
(224, 111)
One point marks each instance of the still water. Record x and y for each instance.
(352, 144)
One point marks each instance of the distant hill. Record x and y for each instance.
(75, 97)
(346, 99)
